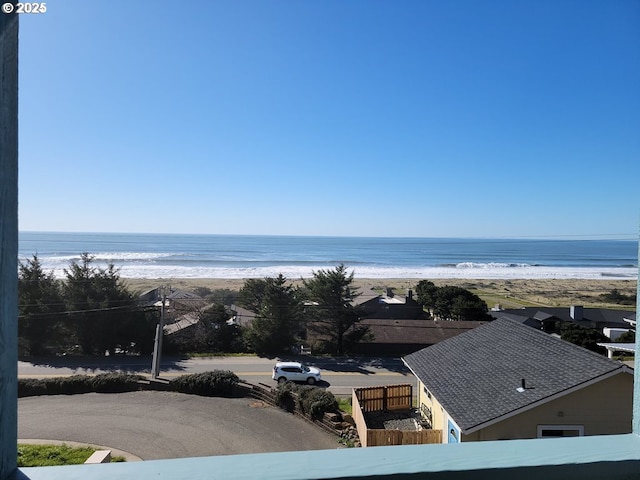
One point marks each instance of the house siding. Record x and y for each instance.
(604, 408)
(438, 414)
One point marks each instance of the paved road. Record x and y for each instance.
(157, 425)
(340, 375)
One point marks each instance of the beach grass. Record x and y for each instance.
(513, 293)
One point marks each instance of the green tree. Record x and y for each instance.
(39, 303)
(100, 304)
(585, 337)
(451, 302)
(627, 337)
(426, 293)
(335, 318)
(614, 296)
(278, 307)
(252, 292)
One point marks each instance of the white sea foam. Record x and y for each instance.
(480, 271)
(110, 257)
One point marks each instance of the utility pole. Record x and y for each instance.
(157, 345)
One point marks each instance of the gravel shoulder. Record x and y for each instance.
(159, 425)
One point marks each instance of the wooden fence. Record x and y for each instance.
(266, 394)
(380, 438)
(387, 398)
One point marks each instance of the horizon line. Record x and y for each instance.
(603, 236)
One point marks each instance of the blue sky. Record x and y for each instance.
(417, 118)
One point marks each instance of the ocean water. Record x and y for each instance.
(247, 256)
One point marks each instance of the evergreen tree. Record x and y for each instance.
(278, 306)
(451, 303)
(335, 319)
(426, 293)
(252, 292)
(585, 337)
(216, 334)
(100, 305)
(39, 303)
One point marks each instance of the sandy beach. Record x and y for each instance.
(513, 293)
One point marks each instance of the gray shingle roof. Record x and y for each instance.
(475, 375)
(591, 317)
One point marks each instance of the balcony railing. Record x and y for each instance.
(611, 457)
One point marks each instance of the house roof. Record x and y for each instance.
(371, 295)
(182, 322)
(475, 375)
(242, 316)
(421, 332)
(591, 317)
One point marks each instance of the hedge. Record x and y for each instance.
(102, 383)
(217, 383)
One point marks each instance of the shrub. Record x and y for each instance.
(103, 383)
(115, 382)
(217, 383)
(311, 401)
(315, 401)
(30, 387)
(285, 397)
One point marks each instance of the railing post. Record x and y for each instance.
(636, 377)
(8, 244)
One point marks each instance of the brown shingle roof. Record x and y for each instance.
(422, 332)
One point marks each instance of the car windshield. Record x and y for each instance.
(304, 368)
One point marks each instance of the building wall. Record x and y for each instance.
(603, 408)
(428, 403)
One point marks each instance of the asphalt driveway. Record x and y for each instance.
(157, 425)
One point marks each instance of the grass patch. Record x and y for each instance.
(55, 455)
(344, 404)
(625, 358)
(51, 455)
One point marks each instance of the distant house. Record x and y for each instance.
(399, 325)
(617, 347)
(551, 319)
(174, 299)
(401, 337)
(181, 307)
(390, 305)
(506, 380)
(241, 316)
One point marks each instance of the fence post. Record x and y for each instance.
(385, 406)
(8, 243)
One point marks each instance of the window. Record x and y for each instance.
(558, 431)
(427, 392)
